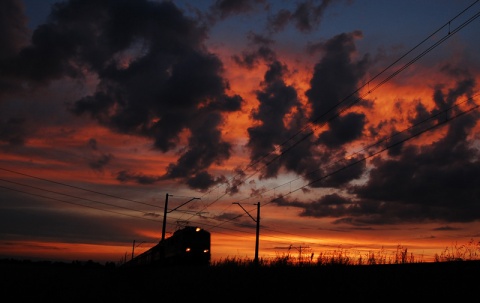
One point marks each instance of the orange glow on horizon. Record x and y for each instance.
(61, 251)
(242, 247)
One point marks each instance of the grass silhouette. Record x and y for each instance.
(466, 252)
(339, 275)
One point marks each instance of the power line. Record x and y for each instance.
(278, 154)
(77, 187)
(337, 114)
(391, 76)
(401, 141)
(387, 139)
(86, 199)
(77, 197)
(385, 69)
(384, 149)
(133, 216)
(67, 195)
(388, 78)
(73, 203)
(252, 163)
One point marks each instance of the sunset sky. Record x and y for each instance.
(353, 124)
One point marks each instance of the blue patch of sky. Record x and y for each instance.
(37, 11)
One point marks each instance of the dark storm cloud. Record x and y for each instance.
(343, 129)
(260, 52)
(329, 206)
(435, 182)
(235, 182)
(464, 86)
(92, 143)
(50, 54)
(100, 161)
(203, 180)
(13, 131)
(238, 219)
(306, 16)
(226, 8)
(155, 76)
(334, 87)
(257, 192)
(209, 148)
(13, 36)
(338, 171)
(445, 99)
(13, 28)
(446, 107)
(251, 59)
(299, 155)
(446, 228)
(128, 176)
(283, 201)
(283, 137)
(228, 104)
(277, 100)
(336, 77)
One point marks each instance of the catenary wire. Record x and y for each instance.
(387, 79)
(77, 187)
(306, 127)
(391, 76)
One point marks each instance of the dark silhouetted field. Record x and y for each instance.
(25, 281)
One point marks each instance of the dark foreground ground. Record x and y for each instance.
(22, 281)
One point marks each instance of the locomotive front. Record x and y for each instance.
(189, 246)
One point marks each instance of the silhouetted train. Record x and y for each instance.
(187, 246)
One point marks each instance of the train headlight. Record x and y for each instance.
(205, 250)
(188, 249)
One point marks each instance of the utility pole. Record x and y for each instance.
(165, 217)
(258, 228)
(133, 248)
(165, 211)
(258, 233)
